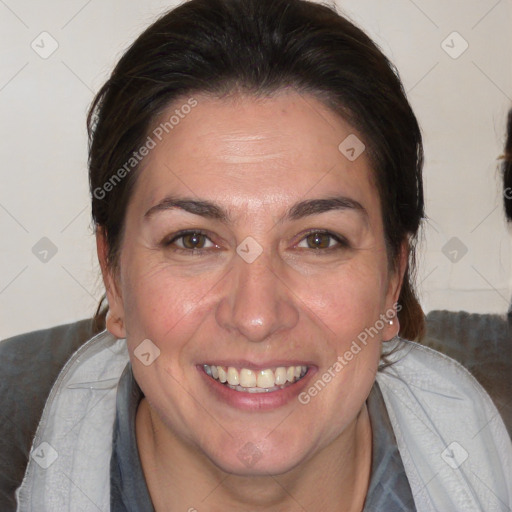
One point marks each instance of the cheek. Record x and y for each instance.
(347, 307)
(346, 301)
(160, 304)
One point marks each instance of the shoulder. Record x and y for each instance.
(29, 365)
(451, 400)
(483, 344)
(430, 373)
(444, 420)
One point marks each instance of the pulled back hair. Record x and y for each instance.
(259, 47)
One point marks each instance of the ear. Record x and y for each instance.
(396, 279)
(115, 315)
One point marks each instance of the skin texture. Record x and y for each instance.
(296, 304)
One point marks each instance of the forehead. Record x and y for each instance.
(254, 151)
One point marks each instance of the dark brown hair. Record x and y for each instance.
(259, 47)
(506, 168)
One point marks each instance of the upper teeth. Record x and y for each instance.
(264, 379)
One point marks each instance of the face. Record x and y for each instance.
(253, 246)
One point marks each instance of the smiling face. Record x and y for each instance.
(253, 246)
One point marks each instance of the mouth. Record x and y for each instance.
(246, 380)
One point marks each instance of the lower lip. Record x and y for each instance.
(256, 401)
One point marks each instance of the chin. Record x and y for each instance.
(257, 459)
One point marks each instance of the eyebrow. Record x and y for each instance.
(298, 211)
(197, 207)
(316, 206)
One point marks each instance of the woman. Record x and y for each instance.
(255, 173)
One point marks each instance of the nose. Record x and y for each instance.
(256, 304)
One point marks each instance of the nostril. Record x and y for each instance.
(255, 312)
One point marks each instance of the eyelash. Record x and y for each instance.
(341, 242)
(182, 234)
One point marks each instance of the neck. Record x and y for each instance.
(180, 477)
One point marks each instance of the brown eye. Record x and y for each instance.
(319, 240)
(193, 241)
(322, 240)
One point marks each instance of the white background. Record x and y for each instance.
(461, 104)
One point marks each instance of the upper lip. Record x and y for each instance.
(241, 363)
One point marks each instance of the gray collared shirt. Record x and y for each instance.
(389, 488)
